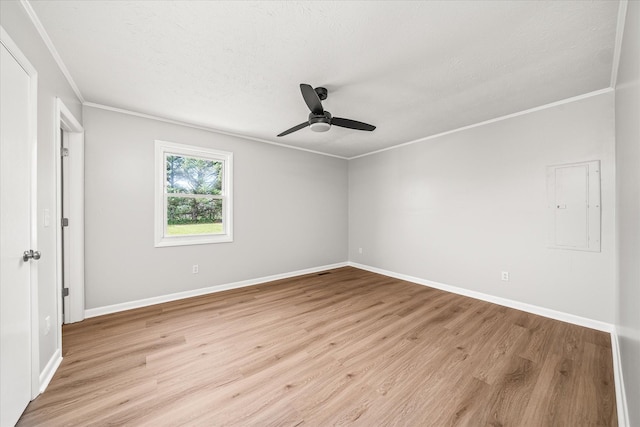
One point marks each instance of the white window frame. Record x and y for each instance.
(164, 148)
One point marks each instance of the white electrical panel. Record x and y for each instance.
(573, 206)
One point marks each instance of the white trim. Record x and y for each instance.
(115, 308)
(565, 317)
(68, 120)
(529, 308)
(52, 49)
(622, 13)
(74, 305)
(202, 127)
(621, 395)
(426, 138)
(47, 40)
(75, 142)
(162, 148)
(35, 313)
(49, 371)
(56, 220)
(8, 42)
(486, 122)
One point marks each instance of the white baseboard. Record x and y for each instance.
(99, 311)
(529, 308)
(621, 395)
(621, 399)
(49, 371)
(55, 361)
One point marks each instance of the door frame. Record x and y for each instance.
(12, 47)
(74, 133)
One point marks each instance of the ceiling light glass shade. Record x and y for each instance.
(319, 126)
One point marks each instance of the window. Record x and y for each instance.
(193, 195)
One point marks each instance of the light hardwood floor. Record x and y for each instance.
(344, 348)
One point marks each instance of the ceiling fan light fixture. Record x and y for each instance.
(320, 126)
(320, 120)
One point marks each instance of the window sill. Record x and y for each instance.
(192, 240)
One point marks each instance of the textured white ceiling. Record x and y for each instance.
(413, 69)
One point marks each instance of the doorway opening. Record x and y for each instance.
(70, 217)
(64, 183)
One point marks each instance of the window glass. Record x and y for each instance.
(193, 195)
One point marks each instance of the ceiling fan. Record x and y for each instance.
(319, 119)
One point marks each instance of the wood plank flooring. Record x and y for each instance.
(345, 348)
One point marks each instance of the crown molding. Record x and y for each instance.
(617, 49)
(201, 127)
(63, 68)
(486, 122)
(52, 49)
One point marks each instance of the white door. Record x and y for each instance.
(15, 229)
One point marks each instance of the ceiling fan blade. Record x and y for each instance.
(351, 124)
(295, 128)
(311, 98)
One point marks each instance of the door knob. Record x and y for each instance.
(30, 254)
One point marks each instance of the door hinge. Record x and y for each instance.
(64, 152)
(65, 222)
(65, 292)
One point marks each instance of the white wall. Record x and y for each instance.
(51, 84)
(460, 208)
(290, 212)
(627, 110)
(457, 209)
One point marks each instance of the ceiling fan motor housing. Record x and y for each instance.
(322, 93)
(319, 123)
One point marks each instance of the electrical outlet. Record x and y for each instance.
(194, 269)
(359, 250)
(47, 325)
(505, 276)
